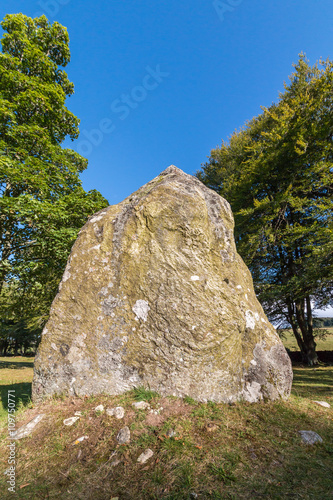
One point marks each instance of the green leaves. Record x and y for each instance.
(42, 203)
(24, 34)
(277, 174)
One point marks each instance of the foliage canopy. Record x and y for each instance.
(277, 175)
(42, 202)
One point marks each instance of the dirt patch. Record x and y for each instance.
(128, 418)
(30, 413)
(171, 408)
(175, 407)
(155, 420)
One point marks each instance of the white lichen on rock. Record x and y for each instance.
(250, 319)
(140, 309)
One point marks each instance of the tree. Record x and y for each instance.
(42, 202)
(277, 174)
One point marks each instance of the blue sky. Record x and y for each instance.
(163, 82)
(216, 64)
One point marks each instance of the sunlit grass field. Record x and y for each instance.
(326, 344)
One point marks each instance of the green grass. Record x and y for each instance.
(223, 474)
(313, 383)
(289, 341)
(142, 394)
(218, 451)
(190, 400)
(15, 374)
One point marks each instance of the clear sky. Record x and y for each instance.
(188, 72)
(163, 82)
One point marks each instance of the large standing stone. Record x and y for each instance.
(155, 295)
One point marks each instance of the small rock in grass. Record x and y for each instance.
(80, 439)
(78, 413)
(310, 437)
(193, 495)
(124, 435)
(117, 412)
(71, 420)
(170, 433)
(114, 463)
(211, 427)
(323, 403)
(141, 405)
(155, 412)
(27, 429)
(99, 408)
(146, 455)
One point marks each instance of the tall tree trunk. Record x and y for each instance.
(309, 354)
(309, 339)
(6, 343)
(302, 326)
(293, 322)
(16, 347)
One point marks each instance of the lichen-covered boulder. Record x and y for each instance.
(155, 295)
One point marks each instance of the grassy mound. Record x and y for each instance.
(215, 451)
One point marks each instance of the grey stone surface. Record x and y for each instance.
(146, 455)
(80, 440)
(310, 437)
(70, 421)
(154, 294)
(27, 429)
(117, 412)
(99, 408)
(141, 405)
(324, 404)
(124, 435)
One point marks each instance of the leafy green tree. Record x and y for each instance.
(277, 174)
(42, 202)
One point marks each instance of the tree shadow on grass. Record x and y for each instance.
(21, 394)
(16, 381)
(307, 384)
(15, 365)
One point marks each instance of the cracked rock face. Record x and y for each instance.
(155, 295)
